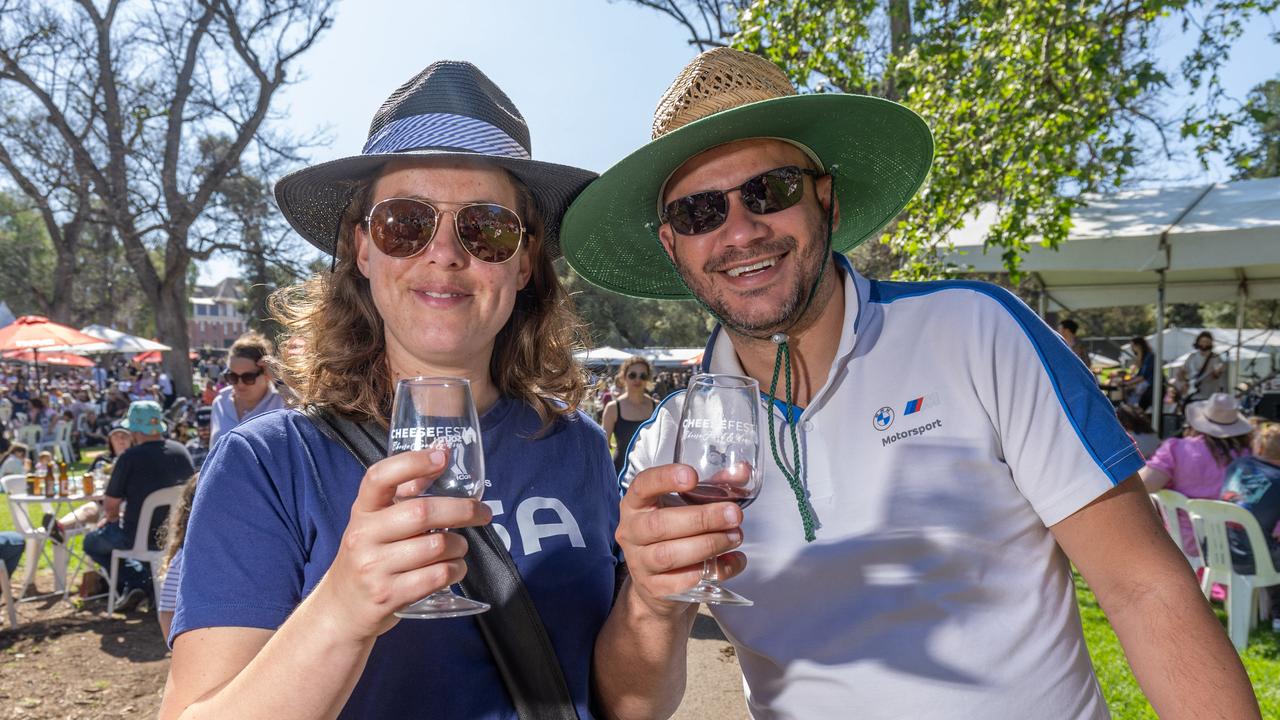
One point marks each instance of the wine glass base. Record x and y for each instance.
(710, 594)
(442, 605)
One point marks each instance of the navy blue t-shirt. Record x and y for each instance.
(275, 496)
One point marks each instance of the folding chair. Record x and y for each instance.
(1244, 605)
(141, 550)
(1169, 502)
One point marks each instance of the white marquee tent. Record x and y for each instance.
(1210, 243)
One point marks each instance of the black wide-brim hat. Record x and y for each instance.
(450, 110)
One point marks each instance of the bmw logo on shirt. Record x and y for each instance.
(883, 418)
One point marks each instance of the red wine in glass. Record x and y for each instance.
(719, 439)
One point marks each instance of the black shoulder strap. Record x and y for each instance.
(512, 628)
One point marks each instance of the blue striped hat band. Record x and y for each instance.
(444, 130)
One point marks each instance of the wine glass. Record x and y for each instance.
(438, 412)
(719, 439)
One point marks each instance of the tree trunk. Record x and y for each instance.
(60, 293)
(899, 41)
(171, 328)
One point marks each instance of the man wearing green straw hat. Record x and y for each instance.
(931, 446)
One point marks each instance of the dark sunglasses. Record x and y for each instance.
(768, 192)
(404, 227)
(637, 376)
(248, 378)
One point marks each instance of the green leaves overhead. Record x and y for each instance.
(1032, 103)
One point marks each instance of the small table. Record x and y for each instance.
(63, 553)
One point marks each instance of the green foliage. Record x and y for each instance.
(27, 253)
(1261, 115)
(1032, 103)
(621, 321)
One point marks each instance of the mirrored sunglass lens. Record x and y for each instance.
(491, 233)
(401, 228)
(697, 214)
(773, 191)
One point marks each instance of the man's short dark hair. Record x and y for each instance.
(1071, 325)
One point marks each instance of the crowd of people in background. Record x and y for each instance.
(150, 439)
(1220, 453)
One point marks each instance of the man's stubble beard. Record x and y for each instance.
(809, 265)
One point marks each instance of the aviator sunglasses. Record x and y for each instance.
(404, 227)
(637, 376)
(768, 192)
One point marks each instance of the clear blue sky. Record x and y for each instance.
(586, 74)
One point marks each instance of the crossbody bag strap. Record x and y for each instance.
(512, 628)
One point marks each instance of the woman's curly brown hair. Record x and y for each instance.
(335, 354)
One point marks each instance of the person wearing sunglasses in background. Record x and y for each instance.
(250, 390)
(627, 412)
(932, 452)
(443, 232)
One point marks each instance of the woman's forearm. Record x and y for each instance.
(307, 669)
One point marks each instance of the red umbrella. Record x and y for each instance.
(35, 332)
(50, 358)
(152, 357)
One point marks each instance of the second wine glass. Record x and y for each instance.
(438, 412)
(719, 439)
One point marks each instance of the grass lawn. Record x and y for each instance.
(1261, 660)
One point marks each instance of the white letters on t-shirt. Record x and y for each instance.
(533, 532)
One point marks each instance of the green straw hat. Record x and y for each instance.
(881, 151)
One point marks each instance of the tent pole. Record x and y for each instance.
(1241, 296)
(1157, 383)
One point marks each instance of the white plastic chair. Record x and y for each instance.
(29, 435)
(164, 497)
(35, 537)
(1169, 502)
(61, 441)
(1244, 605)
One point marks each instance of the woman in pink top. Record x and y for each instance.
(1196, 464)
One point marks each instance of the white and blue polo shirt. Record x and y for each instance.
(955, 428)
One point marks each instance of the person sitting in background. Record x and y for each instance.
(16, 461)
(1138, 387)
(43, 462)
(1138, 425)
(118, 440)
(198, 447)
(11, 546)
(1253, 482)
(251, 390)
(1195, 465)
(151, 464)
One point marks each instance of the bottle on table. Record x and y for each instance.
(50, 480)
(64, 482)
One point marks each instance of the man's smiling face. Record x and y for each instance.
(754, 271)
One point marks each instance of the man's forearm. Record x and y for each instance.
(639, 664)
(1179, 653)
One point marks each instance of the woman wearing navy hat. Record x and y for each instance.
(442, 233)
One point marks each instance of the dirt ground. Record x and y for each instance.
(70, 663)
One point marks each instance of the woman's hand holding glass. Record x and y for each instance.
(389, 557)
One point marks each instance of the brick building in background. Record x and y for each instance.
(214, 319)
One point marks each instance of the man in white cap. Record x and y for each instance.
(935, 454)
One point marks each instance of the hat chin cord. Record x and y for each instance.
(782, 362)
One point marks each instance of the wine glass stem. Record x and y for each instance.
(711, 572)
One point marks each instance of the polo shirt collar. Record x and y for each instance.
(720, 357)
